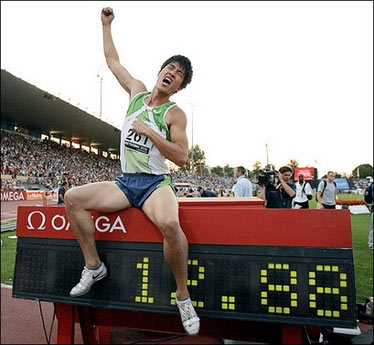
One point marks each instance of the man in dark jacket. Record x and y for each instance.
(206, 193)
(369, 194)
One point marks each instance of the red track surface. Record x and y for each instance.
(21, 323)
(9, 209)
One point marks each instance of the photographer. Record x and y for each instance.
(280, 193)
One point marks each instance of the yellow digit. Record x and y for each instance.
(269, 288)
(192, 282)
(144, 298)
(327, 291)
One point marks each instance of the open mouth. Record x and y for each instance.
(166, 81)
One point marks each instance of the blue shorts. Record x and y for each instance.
(138, 186)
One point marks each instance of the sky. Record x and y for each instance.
(295, 76)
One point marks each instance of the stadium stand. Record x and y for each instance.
(48, 163)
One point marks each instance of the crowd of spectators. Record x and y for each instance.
(222, 186)
(362, 183)
(48, 163)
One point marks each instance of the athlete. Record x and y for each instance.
(154, 130)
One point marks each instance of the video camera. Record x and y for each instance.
(266, 177)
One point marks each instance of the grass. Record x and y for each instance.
(8, 256)
(9, 222)
(363, 256)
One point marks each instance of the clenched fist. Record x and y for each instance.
(141, 127)
(107, 15)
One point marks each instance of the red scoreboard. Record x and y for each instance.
(245, 262)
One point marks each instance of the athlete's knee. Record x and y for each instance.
(170, 228)
(71, 200)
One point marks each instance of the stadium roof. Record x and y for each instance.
(29, 107)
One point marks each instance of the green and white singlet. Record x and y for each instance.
(138, 153)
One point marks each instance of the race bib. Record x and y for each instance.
(137, 142)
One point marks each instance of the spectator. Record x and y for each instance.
(61, 194)
(326, 192)
(369, 196)
(280, 193)
(50, 163)
(208, 182)
(243, 187)
(206, 193)
(304, 193)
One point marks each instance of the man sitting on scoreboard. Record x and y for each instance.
(154, 130)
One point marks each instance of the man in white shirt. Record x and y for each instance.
(243, 187)
(304, 193)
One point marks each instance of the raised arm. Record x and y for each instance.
(127, 81)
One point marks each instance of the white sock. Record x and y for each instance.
(183, 300)
(97, 268)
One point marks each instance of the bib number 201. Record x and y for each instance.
(133, 136)
(137, 142)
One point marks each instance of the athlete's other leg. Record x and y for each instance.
(162, 209)
(99, 196)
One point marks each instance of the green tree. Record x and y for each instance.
(196, 160)
(228, 171)
(364, 170)
(206, 171)
(293, 163)
(256, 168)
(218, 170)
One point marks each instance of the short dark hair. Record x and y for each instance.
(241, 169)
(284, 169)
(185, 63)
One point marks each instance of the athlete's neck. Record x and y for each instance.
(157, 98)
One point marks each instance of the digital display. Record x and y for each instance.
(245, 262)
(295, 285)
(310, 174)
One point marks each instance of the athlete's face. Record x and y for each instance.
(171, 77)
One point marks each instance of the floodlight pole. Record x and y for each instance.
(101, 91)
(101, 95)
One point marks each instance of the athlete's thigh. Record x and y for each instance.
(100, 196)
(162, 206)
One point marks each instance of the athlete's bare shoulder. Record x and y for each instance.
(175, 116)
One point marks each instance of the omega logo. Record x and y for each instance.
(59, 222)
(42, 224)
